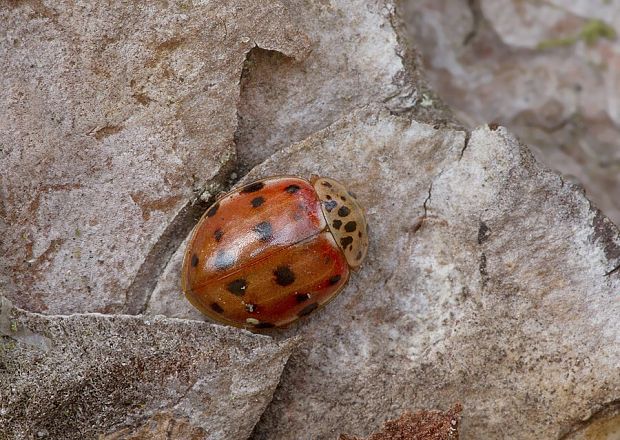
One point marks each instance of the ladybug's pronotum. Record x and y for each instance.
(273, 251)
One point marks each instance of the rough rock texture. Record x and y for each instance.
(114, 118)
(486, 278)
(356, 58)
(167, 297)
(80, 376)
(546, 69)
(335, 79)
(490, 280)
(423, 425)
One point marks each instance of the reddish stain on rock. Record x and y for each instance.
(422, 425)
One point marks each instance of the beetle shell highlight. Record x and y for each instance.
(273, 251)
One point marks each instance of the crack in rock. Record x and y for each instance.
(140, 291)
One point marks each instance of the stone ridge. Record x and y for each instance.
(82, 376)
(485, 277)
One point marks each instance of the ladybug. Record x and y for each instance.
(274, 250)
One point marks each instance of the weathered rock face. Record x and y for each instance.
(486, 278)
(546, 69)
(114, 118)
(490, 281)
(81, 376)
(604, 426)
(356, 59)
(140, 114)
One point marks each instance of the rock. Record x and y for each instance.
(547, 70)
(423, 425)
(167, 297)
(132, 377)
(529, 24)
(608, 12)
(356, 59)
(283, 100)
(115, 118)
(486, 278)
(490, 280)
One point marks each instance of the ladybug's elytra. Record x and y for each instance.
(274, 250)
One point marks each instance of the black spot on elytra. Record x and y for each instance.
(327, 184)
(328, 197)
(237, 287)
(264, 325)
(350, 226)
(359, 234)
(346, 241)
(264, 231)
(329, 205)
(337, 223)
(257, 201)
(218, 234)
(333, 280)
(212, 210)
(302, 297)
(344, 211)
(284, 275)
(224, 260)
(216, 308)
(308, 309)
(343, 198)
(194, 260)
(252, 187)
(292, 189)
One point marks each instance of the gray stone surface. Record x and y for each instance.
(485, 284)
(490, 280)
(486, 278)
(546, 69)
(356, 58)
(114, 118)
(167, 297)
(90, 375)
